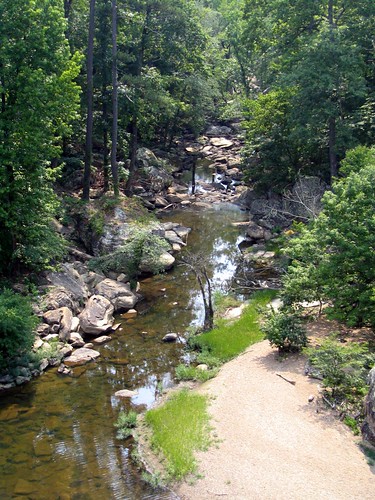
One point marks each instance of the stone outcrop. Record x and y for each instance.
(119, 294)
(97, 317)
(368, 427)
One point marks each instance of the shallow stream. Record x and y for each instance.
(57, 435)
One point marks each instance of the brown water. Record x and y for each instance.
(57, 438)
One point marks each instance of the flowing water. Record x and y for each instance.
(57, 435)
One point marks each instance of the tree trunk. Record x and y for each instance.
(114, 166)
(333, 163)
(134, 124)
(133, 156)
(89, 123)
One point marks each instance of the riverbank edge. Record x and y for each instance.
(154, 462)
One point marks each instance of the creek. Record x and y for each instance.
(57, 435)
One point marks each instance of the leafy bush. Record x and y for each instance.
(344, 368)
(333, 257)
(125, 424)
(17, 323)
(284, 330)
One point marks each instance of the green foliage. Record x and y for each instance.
(17, 323)
(284, 329)
(39, 101)
(230, 339)
(184, 372)
(310, 96)
(179, 428)
(142, 247)
(344, 368)
(126, 423)
(332, 257)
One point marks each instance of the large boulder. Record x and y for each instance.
(81, 357)
(119, 294)
(97, 317)
(368, 427)
(165, 261)
(153, 170)
(62, 318)
(58, 297)
(69, 279)
(257, 233)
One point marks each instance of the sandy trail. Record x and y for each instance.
(273, 443)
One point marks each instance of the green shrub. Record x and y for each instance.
(285, 331)
(126, 424)
(344, 368)
(17, 323)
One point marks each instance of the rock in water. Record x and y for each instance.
(97, 317)
(81, 357)
(125, 393)
(170, 337)
(118, 293)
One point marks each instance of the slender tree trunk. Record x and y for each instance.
(133, 156)
(114, 166)
(89, 123)
(134, 124)
(333, 163)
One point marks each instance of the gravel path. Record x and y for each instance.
(273, 443)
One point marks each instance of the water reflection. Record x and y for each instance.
(57, 438)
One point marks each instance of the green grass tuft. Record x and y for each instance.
(230, 339)
(184, 372)
(179, 428)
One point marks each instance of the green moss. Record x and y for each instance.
(179, 428)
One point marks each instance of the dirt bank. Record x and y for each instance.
(274, 443)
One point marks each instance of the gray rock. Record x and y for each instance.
(43, 364)
(75, 324)
(255, 232)
(172, 237)
(58, 297)
(38, 343)
(66, 350)
(125, 393)
(119, 294)
(69, 279)
(221, 142)
(97, 317)
(102, 340)
(81, 357)
(22, 380)
(76, 340)
(43, 329)
(170, 337)
(166, 261)
(64, 370)
(65, 324)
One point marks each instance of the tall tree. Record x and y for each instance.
(114, 166)
(89, 120)
(39, 99)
